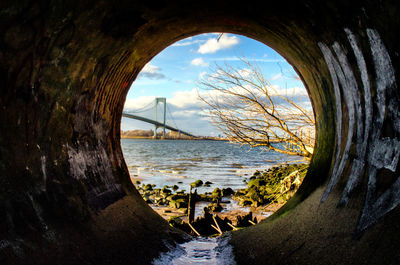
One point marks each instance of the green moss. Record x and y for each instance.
(275, 185)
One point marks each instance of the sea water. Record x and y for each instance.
(181, 162)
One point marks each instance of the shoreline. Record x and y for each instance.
(201, 138)
(266, 192)
(168, 138)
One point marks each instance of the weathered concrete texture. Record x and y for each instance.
(66, 67)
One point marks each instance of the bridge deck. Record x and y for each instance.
(157, 123)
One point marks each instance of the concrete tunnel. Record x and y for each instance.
(65, 70)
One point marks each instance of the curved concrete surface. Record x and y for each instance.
(65, 70)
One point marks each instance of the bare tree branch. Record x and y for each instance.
(245, 106)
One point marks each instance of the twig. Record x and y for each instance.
(219, 231)
(215, 221)
(233, 227)
(194, 230)
(251, 222)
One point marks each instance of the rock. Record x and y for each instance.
(246, 203)
(159, 201)
(175, 187)
(179, 203)
(204, 197)
(207, 184)
(175, 221)
(215, 207)
(165, 191)
(147, 200)
(197, 183)
(277, 184)
(216, 194)
(227, 192)
(148, 187)
(256, 182)
(174, 197)
(281, 200)
(239, 193)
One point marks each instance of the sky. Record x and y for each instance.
(175, 73)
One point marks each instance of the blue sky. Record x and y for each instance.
(175, 71)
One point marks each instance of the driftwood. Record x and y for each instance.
(213, 226)
(233, 227)
(208, 224)
(192, 205)
(251, 222)
(216, 223)
(194, 230)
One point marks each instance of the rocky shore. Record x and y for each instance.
(266, 192)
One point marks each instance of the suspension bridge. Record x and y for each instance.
(133, 114)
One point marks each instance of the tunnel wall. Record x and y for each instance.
(65, 69)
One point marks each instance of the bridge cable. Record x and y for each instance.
(172, 118)
(147, 107)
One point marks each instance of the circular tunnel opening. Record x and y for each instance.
(66, 70)
(199, 165)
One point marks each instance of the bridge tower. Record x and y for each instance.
(164, 101)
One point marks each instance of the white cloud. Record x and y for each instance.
(139, 102)
(199, 62)
(290, 92)
(185, 113)
(277, 77)
(217, 74)
(262, 60)
(151, 72)
(185, 98)
(202, 75)
(212, 45)
(187, 42)
(244, 73)
(149, 68)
